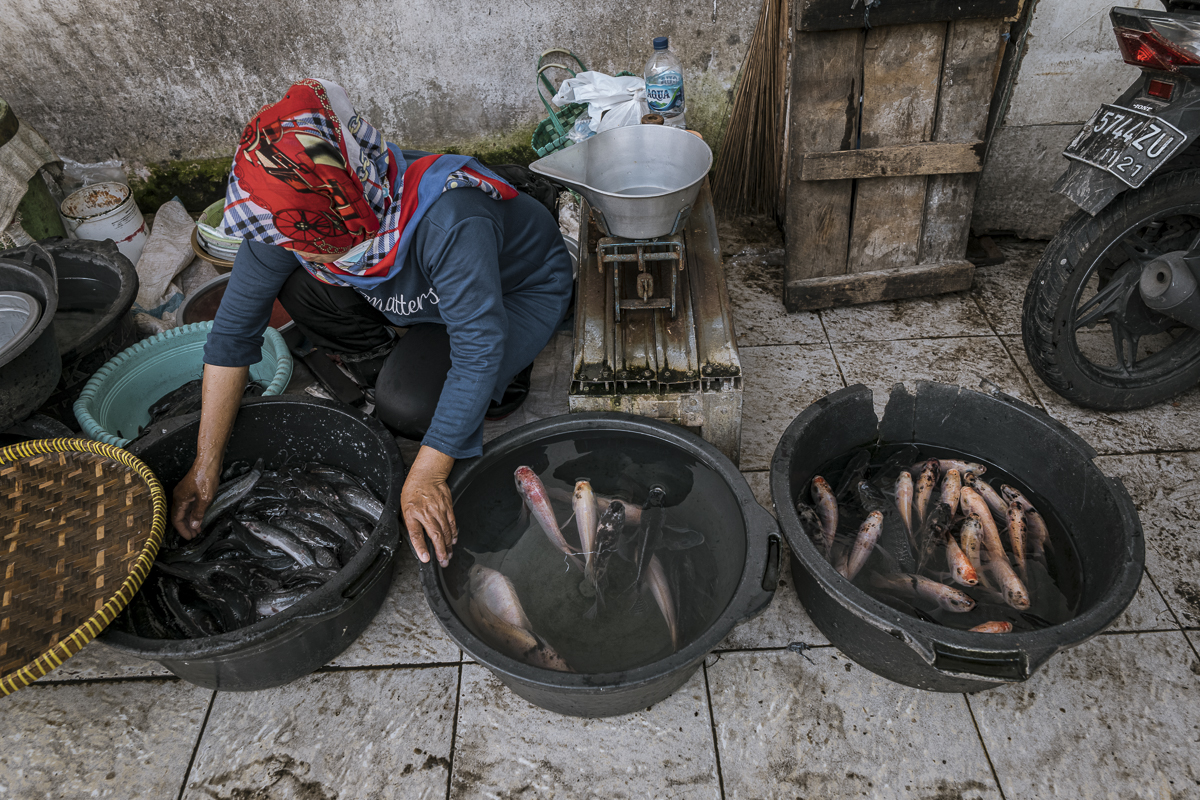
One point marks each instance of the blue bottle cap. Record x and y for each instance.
(660, 43)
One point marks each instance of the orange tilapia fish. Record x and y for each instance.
(994, 626)
(661, 591)
(827, 510)
(960, 566)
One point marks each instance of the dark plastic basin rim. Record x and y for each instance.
(760, 527)
(1037, 645)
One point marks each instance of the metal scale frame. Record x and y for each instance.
(654, 332)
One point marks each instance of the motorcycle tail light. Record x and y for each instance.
(1168, 45)
(1160, 89)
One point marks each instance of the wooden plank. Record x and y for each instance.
(880, 162)
(974, 50)
(833, 15)
(823, 118)
(871, 287)
(901, 68)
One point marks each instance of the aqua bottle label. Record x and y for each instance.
(665, 95)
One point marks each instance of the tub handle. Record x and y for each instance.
(359, 584)
(771, 573)
(1006, 666)
(29, 257)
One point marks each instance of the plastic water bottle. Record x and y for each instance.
(664, 84)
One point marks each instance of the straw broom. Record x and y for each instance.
(749, 168)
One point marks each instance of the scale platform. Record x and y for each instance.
(654, 333)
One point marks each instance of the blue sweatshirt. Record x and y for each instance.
(495, 273)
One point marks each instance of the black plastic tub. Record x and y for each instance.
(96, 289)
(308, 635)
(751, 561)
(1099, 517)
(30, 367)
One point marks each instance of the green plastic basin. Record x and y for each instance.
(115, 403)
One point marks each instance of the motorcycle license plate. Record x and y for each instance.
(1127, 143)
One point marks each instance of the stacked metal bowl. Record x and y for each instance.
(211, 238)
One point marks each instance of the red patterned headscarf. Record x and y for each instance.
(312, 174)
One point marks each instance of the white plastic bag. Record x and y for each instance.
(613, 102)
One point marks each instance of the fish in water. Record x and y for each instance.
(974, 505)
(661, 592)
(653, 522)
(261, 549)
(864, 543)
(904, 500)
(1016, 538)
(951, 487)
(1014, 591)
(960, 566)
(496, 609)
(947, 597)
(587, 517)
(608, 533)
(926, 481)
(994, 501)
(533, 493)
(1035, 525)
(853, 473)
(994, 626)
(933, 532)
(827, 510)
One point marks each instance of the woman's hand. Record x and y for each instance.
(192, 497)
(426, 505)
(219, 402)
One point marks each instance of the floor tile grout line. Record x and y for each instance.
(128, 679)
(327, 669)
(1170, 608)
(832, 352)
(983, 744)
(187, 773)
(712, 723)
(1191, 644)
(454, 733)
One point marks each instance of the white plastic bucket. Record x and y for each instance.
(106, 211)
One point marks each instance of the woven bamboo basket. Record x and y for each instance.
(81, 523)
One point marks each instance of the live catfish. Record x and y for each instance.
(972, 545)
(268, 540)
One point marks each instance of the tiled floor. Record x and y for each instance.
(403, 714)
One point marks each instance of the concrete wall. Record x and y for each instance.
(1071, 64)
(148, 80)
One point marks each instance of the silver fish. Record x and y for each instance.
(587, 517)
(1016, 538)
(994, 501)
(864, 543)
(904, 499)
(231, 493)
(951, 488)
(496, 610)
(1014, 591)
(947, 597)
(926, 480)
(662, 595)
(827, 510)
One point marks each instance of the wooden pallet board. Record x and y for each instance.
(833, 15)
(885, 143)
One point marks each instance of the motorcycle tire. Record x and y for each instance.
(1161, 216)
